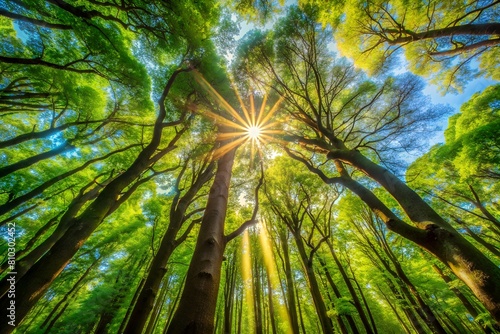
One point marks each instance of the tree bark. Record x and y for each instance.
(196, 310)
(350, 287)
(4, 171)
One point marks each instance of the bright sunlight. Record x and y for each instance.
(253, 132)
(250, 125)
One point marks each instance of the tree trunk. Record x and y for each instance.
(465, 302)
(4, 171)
(24, 264)
(229, 289)
(363, 298)
(271, 305)
(396, 313)
(338, 295)
(10, 205)
(257, 295)
(351, 289)
(196, 310)
(155, 313)
(71, 292)
(326, 323)
(469, 264)
(290, 285)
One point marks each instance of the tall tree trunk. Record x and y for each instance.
(71, 292)
(468, 263)
(25, 263)
(325, 321)
(352, 291)
(338, 295)
(4, 171)
(129, 309)
(196, 310)
(465, 302)
(290, 285)
(10, 205)
(257, 295)
(155, 313)
(229, 289)
(396, 312)
(271, 304)
(365, 302)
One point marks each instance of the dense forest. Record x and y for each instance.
(215, 166)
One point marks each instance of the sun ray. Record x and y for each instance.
(249, 125)
(242, 105)
(202, 81)
(252, 108)
(273, 110)
(227, 147)
(261, 111)
(248, 293)
(231, 135)
(224, 121)
(270, 265)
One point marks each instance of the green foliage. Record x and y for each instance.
(90, 76)
(434, 35)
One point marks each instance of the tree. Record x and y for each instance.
(347, 123)
(130, 164)
(442, 40)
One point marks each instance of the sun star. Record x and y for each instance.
(247, 125)
(253, 132)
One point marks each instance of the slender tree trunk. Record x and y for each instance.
(492, 248)
(338, 295)
(196, 310)
(365, 302)
(29, 245)
(257, 290)
(129, 309)
(71, 292)
(396, 312)
(271, 305)
(54, 320)
(290, 285)
(351, 289)
(24, 264)
(4, 171)
(465, 302)
(155, 313)
(325, 321)
(145, 302)
(10, 205)
(229, 289)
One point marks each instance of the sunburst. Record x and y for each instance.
(250, 125)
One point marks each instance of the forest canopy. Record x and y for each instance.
(214, 166)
